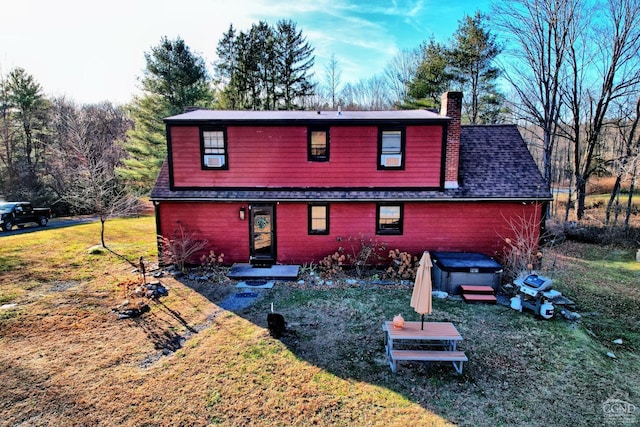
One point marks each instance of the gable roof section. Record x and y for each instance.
(495, 165)
(495, 162)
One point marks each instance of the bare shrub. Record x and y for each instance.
(214, 263)
(521, 253)
(332, 265)
(179, 250)
(403, 265)
(365, 252)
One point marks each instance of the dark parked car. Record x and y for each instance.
(21, 213)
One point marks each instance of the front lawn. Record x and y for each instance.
(67, 360)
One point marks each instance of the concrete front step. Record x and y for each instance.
(277, 272)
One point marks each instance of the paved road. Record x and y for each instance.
(53, 223)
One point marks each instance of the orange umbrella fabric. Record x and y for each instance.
(421, 297)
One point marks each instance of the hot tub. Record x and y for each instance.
(452, 269)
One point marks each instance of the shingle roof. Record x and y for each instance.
(494, 165)
(495, 162)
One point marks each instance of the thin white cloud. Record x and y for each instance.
(417, 8)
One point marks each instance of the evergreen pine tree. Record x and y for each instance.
(264, 68)
(24, 154)
(295, 57)
(174, 79)
(432, 77)
(146, 143)
(471, 59)
(177, 75)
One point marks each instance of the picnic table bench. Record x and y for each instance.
(416, 343)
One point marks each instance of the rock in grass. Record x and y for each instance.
(96, 250)
(134, 312)
(570, 315)
(611, 355)
(618, 341)
(439, 294)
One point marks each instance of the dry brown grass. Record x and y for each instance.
(67, 360)
(605, 185)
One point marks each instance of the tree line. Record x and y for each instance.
(265, 68)
(574, 71)
(531, 62)
(55, 152)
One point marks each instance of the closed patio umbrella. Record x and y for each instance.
(421, 297)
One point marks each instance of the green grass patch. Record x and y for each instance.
(8, 297)
(605, 284)
(8, 263)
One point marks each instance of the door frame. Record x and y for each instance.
(272, 257)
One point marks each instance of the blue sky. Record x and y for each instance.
(94, 51)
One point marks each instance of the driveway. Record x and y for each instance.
(53, 223)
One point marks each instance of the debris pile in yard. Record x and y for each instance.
(140, 289)
(151, 290)
(126, 310)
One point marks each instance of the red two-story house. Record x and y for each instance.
(293, 186)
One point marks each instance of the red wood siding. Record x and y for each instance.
(218, 223)
(277, 157)
(471, 227)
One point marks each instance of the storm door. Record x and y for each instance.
(262, 235)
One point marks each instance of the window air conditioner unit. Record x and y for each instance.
(214, 161)
(392, 160)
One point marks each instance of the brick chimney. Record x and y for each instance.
(451, 106)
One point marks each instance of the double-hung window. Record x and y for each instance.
(389, 219)
(214, 149)
(318, 145)
(391, 144)
(319, 218)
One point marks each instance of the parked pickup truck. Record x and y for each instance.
(21, 213)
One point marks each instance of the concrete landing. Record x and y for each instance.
(279, 272)
(256, 284)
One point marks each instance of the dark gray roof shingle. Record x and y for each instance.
(495, 162)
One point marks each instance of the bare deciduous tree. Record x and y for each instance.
(369, 94)
(539, 33)
(399, 73)
(180, 249)
(332, 80)
(91, 149)
(601, 73)
(626, 164)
